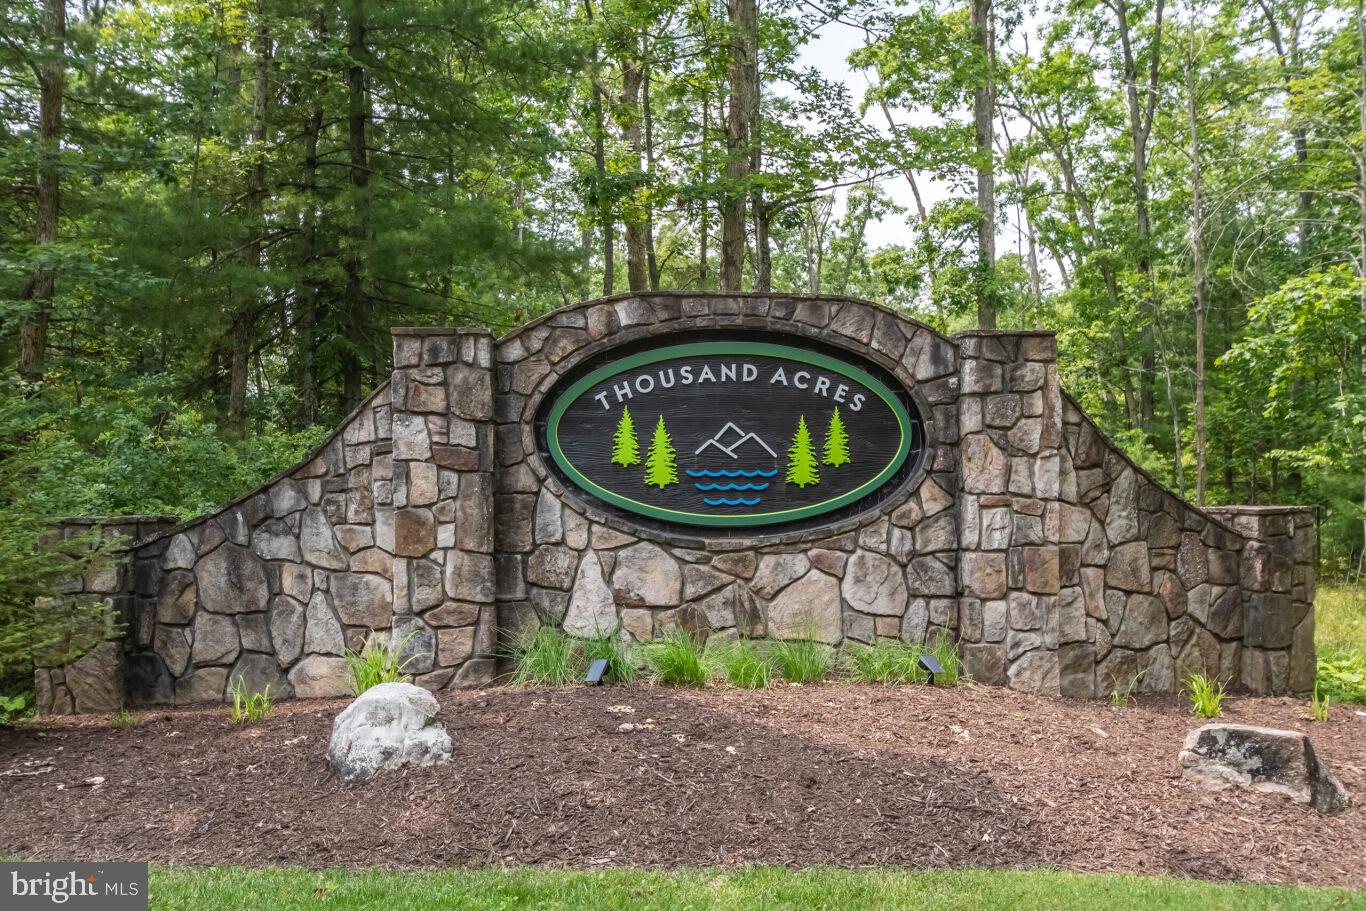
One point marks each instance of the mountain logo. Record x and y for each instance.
(737, 437)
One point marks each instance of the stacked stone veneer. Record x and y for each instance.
(431, 518)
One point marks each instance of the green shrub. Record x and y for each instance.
(15, 708)
(620, 668)
(678, 660)
(547, 657)
(124, 719)
(1206, 695)
(946, 651)
(248, 707)
(801, 660)
(885, 661)
(377, 662)
(744, 665)
(1342, 675)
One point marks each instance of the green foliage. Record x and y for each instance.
(1340, 635)
(801, 458)
(547, 657)
(801, 660)
(124, 720)
(946, 652)
(612, 649)
(625, 447)
(249, 707)
(15, 708)
(743, 665)
(661, 467)
(885, 661)
(678, 660)
(1319, 704)
(1206, 695)
(1342, 676)
(377, 662)
(836, 441)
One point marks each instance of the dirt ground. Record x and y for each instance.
(835, 774)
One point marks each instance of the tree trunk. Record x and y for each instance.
(983, 117)
(1361, 219)
(1198, 279)
(307, 332)
(41, 284)
(627, 115)
(1140, 126)
(357, 115)
(603, 201)
(651, 262)
(704, 219)
(744, 25)
(758, 206)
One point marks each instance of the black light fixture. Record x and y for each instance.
(596, 671)
(932, 665)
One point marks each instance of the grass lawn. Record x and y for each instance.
(1340, 634)
(754, 889)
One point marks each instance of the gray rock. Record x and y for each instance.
(646, 576)
(320, 677)
(95, 680)
(416, 645)
(984, 465)
(318, 543)
(427, 589)
(323, 633)
(287, 619)
(469, 577)
(257, 672)
(928, 576)
(1129, 568)
(1145, 623)
(985, 662)
(592, 609)
(552, 566)
(177, 601)
(363, 600)
(297, 582)
(699, 581)
(180, 553)
(549, 527)
(275, 541)
(777, 571)
(215, 639)
(204, 684)
(172, 643)
(984, 574)
(1036, 671)
(874, 584)
(285, 498)
(1263, 759)
(1121, 522)
(807, 609)
(232, 580)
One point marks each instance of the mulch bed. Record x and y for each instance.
(835, 774)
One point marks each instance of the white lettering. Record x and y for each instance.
(857, 404)
(645, 383)
(728, 372)
(840, 392)
(666, 378)
(822, 386)
(686, 373)
(749, 372)
(623, 390)
(602, 398)
(798, 381)
(778, 377)
(706, 374)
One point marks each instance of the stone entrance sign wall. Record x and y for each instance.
(434, 517)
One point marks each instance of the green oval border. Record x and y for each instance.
(693, 349)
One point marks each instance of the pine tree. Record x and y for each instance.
(625, 448)
(836, 441)
(660, 468)
(801, 458)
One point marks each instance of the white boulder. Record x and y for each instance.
(389, 726)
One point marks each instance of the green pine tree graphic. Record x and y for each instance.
(625, 448)
(801, 458)
(660, 468)
(836, 441)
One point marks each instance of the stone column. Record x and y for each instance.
(1277, 575)
(441, 521)
(1010, 572)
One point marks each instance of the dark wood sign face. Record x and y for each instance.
(732, 433)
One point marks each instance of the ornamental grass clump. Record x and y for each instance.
(678, 660)
(248, 707)
(620, 667)
(1206, 695)
(885, 661)
(801, 660)
(945, 650)
(744, 665)
(377, 662)
(547, 657)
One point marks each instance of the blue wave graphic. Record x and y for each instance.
(737, 473)
(738, 501)
(731, 485)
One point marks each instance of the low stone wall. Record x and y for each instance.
(433, 519)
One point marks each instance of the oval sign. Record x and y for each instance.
(731, 433)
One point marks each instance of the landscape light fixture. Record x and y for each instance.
(932, 665)
(596, 671)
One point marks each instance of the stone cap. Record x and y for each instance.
(440, 330)
(1259, 510)
(1003, 333)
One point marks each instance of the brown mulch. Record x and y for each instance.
(839, 775)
